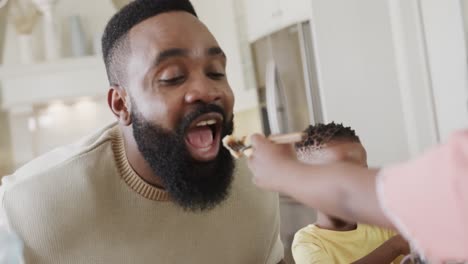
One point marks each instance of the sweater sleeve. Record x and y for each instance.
(427, 200)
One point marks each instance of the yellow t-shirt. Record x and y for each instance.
(315, 245)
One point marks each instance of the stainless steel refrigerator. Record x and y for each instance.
(289, 100)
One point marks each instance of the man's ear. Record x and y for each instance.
(118, 103)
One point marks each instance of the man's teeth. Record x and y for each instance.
(206, 123)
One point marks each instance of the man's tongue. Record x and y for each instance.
(200, 137)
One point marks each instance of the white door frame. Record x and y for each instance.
(446, 46)
(430, 54)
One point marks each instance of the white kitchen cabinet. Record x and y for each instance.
(93, 15)
(262, 17)
(46, 82)
(86, 76)
(267, 16)
(294, 11)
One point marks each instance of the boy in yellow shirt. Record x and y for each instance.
(330, 239)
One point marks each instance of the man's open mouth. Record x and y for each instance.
(203, 137)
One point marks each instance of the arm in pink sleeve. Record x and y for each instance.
(427, 200)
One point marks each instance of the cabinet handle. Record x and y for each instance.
(276, 106)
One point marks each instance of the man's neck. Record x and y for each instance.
(334, 224)
(137, 161)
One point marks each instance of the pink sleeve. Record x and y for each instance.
(427, 200)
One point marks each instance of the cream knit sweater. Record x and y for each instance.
(84, 204)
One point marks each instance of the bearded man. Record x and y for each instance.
(156, 186)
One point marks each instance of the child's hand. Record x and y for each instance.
(400, 245)
(269, 162)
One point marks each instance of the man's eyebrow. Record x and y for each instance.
(170, 53)
(214, 51)
(176, 52)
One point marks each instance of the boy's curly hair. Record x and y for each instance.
(320, 134)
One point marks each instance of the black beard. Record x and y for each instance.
(194, 185)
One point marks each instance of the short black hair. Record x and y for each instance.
(115, 35)
(320, 134)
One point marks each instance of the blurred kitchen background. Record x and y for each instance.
(395, 70)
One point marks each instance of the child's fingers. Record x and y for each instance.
(257, 140)
(286, 147)
(248, 152)
(263, 145)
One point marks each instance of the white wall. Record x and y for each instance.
(447, 55)
(414, 78)
(219, 16)
(39, 129)
(43, 83)
(247, 122)
(23, 149)
(68, 122)
(357, 74)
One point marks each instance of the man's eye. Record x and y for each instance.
(216, 75)
(174, 80)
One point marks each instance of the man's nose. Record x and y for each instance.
(204, 91)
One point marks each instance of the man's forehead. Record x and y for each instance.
(336, 151)
(171, 30)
